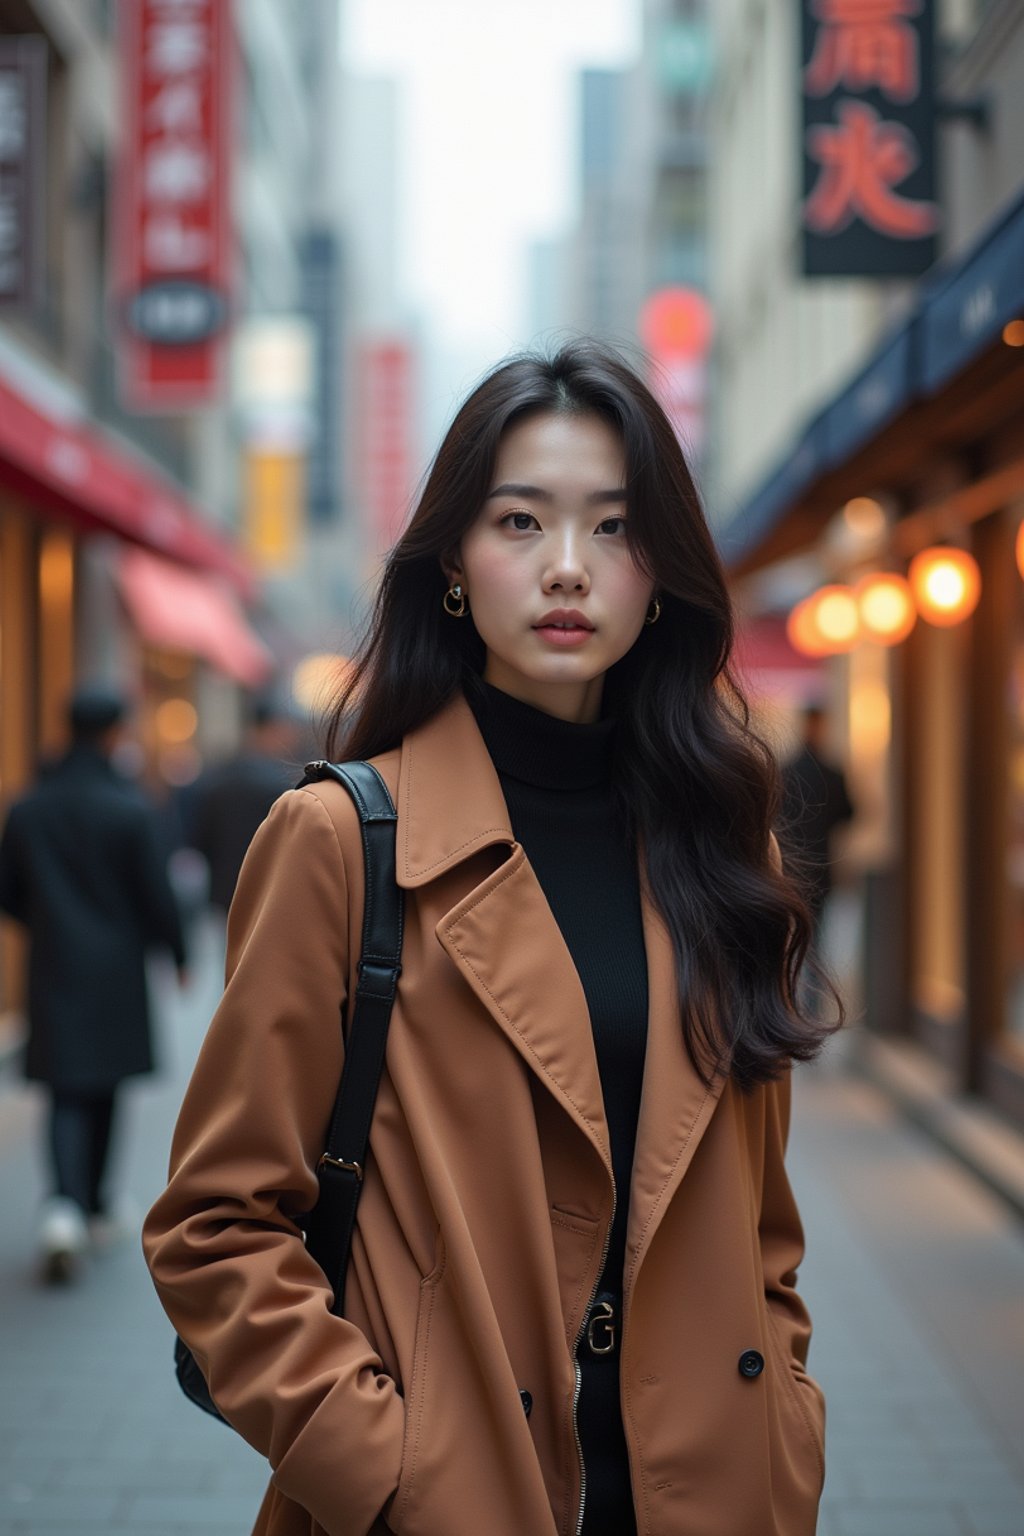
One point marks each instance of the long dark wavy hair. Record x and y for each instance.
(698, 786)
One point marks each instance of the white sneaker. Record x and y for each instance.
(63, 1238)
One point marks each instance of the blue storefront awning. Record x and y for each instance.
(763, 511)
(958, 313)
(875, 397)
(970, 309)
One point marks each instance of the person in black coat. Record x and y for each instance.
(233, 797)
(815, 801)
(81, 867)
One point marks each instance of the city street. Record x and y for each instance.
(915, 1277)
(342, 344)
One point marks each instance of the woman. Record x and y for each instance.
(570, 1305)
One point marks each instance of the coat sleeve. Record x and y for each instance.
(782, 1243)
(301, 1385)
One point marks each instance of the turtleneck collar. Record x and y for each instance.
(535, 748)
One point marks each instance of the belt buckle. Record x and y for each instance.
(601, 1329)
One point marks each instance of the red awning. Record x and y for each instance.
(769, 667)
(182, 610)
(67, 464)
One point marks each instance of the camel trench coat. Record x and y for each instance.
(486, 1205)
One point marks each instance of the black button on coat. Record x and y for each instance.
(81, 866)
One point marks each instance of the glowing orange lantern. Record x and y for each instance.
(946, 584)
(835, 613)
(1020, 549)
(802, 630)
(886, 607)
(825, 623)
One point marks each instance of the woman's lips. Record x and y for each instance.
(556, 634)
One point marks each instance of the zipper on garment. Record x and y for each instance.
(576, 1363)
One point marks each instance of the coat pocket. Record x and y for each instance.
(415, 1393)
(797, 1396)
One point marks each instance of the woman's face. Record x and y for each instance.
(555, 593)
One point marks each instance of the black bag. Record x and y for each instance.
(330, 1224)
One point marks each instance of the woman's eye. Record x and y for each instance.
(519, 519)
(612, 525)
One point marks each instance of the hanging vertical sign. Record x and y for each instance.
(676, 325)
(171, 258)
(22, 170)
(321, 291)
(385, 435)
(869, 172)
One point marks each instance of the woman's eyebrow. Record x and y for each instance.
(537, 493)
(528, 492)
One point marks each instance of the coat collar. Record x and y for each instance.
(450, 803)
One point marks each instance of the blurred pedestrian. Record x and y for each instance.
(81, 868)
(232, 798)
(815, 801)
(582, 1116)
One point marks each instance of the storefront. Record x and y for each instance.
(925, 449)
(106, 571)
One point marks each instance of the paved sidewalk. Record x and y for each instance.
(95, 1435)
(915, 1277)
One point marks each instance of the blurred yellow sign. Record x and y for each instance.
(273, 505)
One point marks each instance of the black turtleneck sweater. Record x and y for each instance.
(557, 780)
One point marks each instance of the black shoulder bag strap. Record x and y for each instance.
(330, 1224)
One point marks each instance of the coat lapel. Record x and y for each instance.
(502, 935)
(504, 939)
(675, 1107)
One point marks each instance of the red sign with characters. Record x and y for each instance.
(869, 138)
(172, 256)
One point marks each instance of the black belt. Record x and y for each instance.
(604, 1325)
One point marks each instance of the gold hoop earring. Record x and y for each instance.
(654, 611)
(455, 594)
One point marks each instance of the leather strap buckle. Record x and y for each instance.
(601, 1337)
(336, 1162)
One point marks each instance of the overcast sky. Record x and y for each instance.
(488, 144)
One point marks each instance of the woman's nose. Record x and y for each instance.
(567, 570)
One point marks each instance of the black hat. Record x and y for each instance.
(94, 708)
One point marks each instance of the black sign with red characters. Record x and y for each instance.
(868, 85)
